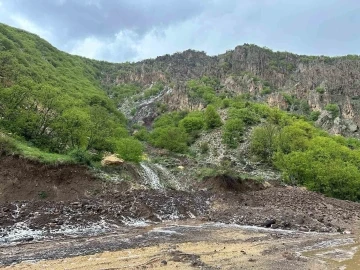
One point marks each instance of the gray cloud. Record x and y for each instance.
(119, 30)
(83, 18)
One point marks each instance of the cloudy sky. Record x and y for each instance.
(130, 30)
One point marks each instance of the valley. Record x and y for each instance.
(247, 159)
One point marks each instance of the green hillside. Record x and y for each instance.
(53, 100)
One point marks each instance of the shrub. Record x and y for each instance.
(264, 141)
(172, 138)
(333, 109)
(129, 149)
(43, 195)
(288, 98)
(142, 134)
(225, 103)
(303, 107)
(247, 115)
(203, 89)
(325, 166)
(169, 119)
(191, 124)
(161, 107)
(314, 115)
(81, 156)
(7, 146)
(279, 117)
(262, 110)
(320, 90)
(212, 118)
(266, 90)
(204, 147)
(295, 137)
(232, 132)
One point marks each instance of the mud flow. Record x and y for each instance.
(186, 245)
(227, 225)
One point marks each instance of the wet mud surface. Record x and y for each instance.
(275, 207)
(294, 220)
(178, 245)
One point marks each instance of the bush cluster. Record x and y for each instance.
(310, 157)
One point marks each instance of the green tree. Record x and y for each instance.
(264, 141)
(129, 149)
(248, 116)
(73, 128)
(191, 124)
(168, 119)
(212, 118)
(296, 136)
(172, 138)
(324, 166)
(232, 132)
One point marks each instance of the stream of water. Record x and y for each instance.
(150, 177)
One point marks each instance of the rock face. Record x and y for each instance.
(316, 80)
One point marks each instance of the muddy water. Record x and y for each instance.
(338, 256)
(185, 245)
(354, 262)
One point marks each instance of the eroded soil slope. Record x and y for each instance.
(22, 179)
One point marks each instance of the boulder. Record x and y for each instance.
(112, 160)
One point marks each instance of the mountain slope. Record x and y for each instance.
(187, 109)
(52, 99)
(314, 80)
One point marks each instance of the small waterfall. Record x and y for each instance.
(157, 176)
(170, 178)
(150, 177)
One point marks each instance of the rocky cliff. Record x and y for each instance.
(280, 78)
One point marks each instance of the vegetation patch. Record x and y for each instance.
(310, 157)
(333, 109)
(54, 101)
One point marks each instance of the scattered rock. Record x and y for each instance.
(268, 223)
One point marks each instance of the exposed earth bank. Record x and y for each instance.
(26, 223)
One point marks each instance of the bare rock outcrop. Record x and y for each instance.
(317, 80)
